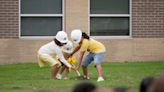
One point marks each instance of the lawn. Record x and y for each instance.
(31, 78)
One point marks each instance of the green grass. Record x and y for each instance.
(31, 78)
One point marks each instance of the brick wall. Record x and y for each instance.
(76, 15)
(148, 18)
(147, 43)
(9, 11)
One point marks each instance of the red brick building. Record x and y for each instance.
(132, 30)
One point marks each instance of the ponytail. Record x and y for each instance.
(85, 36)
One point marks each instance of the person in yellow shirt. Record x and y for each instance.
(96, 52)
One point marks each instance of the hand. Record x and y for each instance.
(77, 68)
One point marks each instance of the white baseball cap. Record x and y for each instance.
(62, 37)
(68, 48)
(76, 35)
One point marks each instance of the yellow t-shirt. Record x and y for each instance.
(92, 45)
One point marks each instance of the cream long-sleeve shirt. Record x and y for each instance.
(52, 49)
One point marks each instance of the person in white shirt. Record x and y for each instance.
(47, 53)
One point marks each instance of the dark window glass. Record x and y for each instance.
(109, 26)
(40, 26)
(109, 6)
(41, 6)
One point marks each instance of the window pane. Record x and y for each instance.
(109, 6)
(41, 6)
(40, 26)
(109, 26)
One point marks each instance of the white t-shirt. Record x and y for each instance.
(52, 49)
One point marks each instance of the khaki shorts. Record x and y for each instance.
(45, 59)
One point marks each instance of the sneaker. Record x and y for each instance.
(59, 76)
(65, 78)
(82, 78)
(79, 78)
(100, 79)
(87, 78)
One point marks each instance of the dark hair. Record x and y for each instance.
(84, 87)
(146, 83)
(84, 35)
(58, 42)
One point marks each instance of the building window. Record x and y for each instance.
(110, 17)
(40, 17)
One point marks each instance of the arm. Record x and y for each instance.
(62, 59)
(75, 50)
(80, 59)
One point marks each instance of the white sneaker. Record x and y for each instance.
(100, 79)
(65, 78)
(86, 77)
(59, 76)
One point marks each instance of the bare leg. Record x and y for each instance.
(85, 71)
(66, 72)
(99, 70)
(54, 71)
(62, 69)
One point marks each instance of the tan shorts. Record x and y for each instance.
(45, 59)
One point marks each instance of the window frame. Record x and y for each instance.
(111, 15)
(40, 15)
